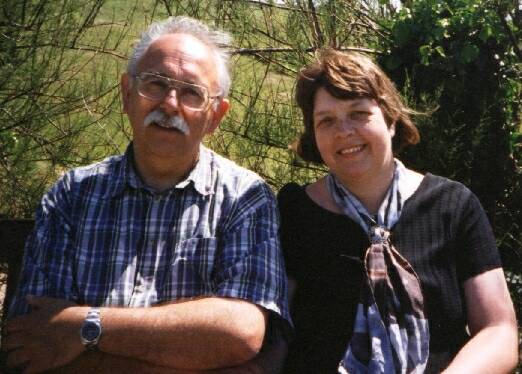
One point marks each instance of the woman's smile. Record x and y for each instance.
(351, 150)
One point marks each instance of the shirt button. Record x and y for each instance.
(139, 288)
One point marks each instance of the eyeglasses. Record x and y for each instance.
(156, 87)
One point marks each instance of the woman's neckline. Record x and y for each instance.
(332, 208)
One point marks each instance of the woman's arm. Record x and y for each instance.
(493, 347)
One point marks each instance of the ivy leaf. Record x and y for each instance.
(393, 62)
(485, 33)
(440, 50)
(402, 34)
(425, 52)
(515, 140)
(468, 53)
(444, 23)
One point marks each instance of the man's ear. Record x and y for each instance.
(218, 114)
(125, 87)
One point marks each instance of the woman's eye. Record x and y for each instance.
(324, 122)
(359, 115)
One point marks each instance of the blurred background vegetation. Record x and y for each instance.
(459, 60)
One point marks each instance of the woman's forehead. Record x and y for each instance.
(325, 100)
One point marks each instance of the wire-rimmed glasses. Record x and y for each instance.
(156, 87)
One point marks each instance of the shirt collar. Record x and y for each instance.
(124, 174)
(200, 176)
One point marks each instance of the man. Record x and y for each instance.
(166, 257)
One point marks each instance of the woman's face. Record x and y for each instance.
(352, 137)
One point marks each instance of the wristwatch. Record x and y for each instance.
(91, 330)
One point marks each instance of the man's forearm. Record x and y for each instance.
(104, 363)
(198, 334)
(269, 361)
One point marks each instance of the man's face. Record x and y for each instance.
(183, 58)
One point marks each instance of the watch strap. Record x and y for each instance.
(93, 315)
(92, 322)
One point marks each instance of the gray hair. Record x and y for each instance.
(216, 40)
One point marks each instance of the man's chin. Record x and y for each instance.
(165, 149)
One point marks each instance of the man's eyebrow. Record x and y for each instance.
(153, 72)
(190, 79)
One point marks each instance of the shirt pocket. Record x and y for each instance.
(190, 272)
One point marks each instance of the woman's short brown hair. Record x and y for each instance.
(350, 75)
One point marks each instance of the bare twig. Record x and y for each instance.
(272, 5)
(80, 48)
(318, 33)
(252, 51)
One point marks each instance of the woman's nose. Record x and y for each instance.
(345, 128)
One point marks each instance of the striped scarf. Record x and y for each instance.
(390, 334)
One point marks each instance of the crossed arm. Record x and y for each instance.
(198, 334)
(493, 326)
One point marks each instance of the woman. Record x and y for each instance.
(395, 271)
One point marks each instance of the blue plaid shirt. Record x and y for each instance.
(102, 238)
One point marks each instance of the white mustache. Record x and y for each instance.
(162, 119)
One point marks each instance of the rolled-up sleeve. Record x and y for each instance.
(249, 264)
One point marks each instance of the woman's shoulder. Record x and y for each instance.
(291, 190)
(435, 185)
(440, 194)
(291, 195)
(309, 201)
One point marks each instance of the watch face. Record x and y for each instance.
(91, 331)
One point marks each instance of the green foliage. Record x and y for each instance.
(53, 102)
(462, 58)
(60, 63)
(59, 77)
(272, 42)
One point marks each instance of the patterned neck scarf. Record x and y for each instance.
(390, 334)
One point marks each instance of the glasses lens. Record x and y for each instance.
(156, 87)
(152, 86)
(191, 96)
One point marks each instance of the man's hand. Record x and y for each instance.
(46, 338)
